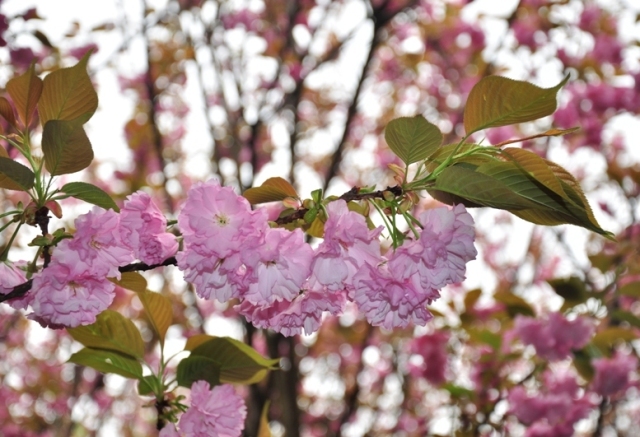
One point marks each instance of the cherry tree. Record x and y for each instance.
(352, 159)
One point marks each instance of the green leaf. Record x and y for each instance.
(515, 304)
(572, 290)
(582, 363)
(108, 362)
(25, 90)
(498, 101)
(15, 176)
(536, 167)
(66, 147)
(147, 385)
(68, 94)
(6, 110)
(159, 312)
(625, 316)
(272, 190)
(606, 340)
(238, 362)
(630, 289)
(111, 331)
(412, 139)
(482, 190)
(198, 368)
(457, 391)
(90, 194)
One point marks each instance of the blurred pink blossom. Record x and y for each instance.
(555, 337)
(612, 375)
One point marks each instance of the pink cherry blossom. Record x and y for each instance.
(388, 300)
(440, 255)
(291, 318)
(144, 229)
(555, 337)
(216, 221)
(10, 276)
(222, 279)
(216, 411)
(169, 430)
(279, 266)
(348, 245)
(612, 375)
(96, 246)
(60, 296)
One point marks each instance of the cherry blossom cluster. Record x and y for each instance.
(73, 289)
(282, 283)
(231, 252)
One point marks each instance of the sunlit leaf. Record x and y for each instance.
(6, 110)
(272, 190)
(111, 331)
(499, 101)
(158, 310)
(15, 176)
(412, 139)
(471, 297)
(66, 147)
(68, 94)
(536, 167)
(107, 361)
(198, 368)
(133, 281)
(25, 90)
(238, 362)
(90, 194)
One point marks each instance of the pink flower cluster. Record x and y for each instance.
(556, 337)
(216, 411)
(74, 288)
(230, 252)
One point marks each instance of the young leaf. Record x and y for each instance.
(25, 90)
(15, 176)
(6, 110)
(238, 362)
(196, 368)
(263, 428)
(272, 190)
(111, 331)
(90, 194)
(106, 361)
(498, 101)
(68, 94)
(133, 281)
(412, 139)
(66, 147)
(159, 312)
